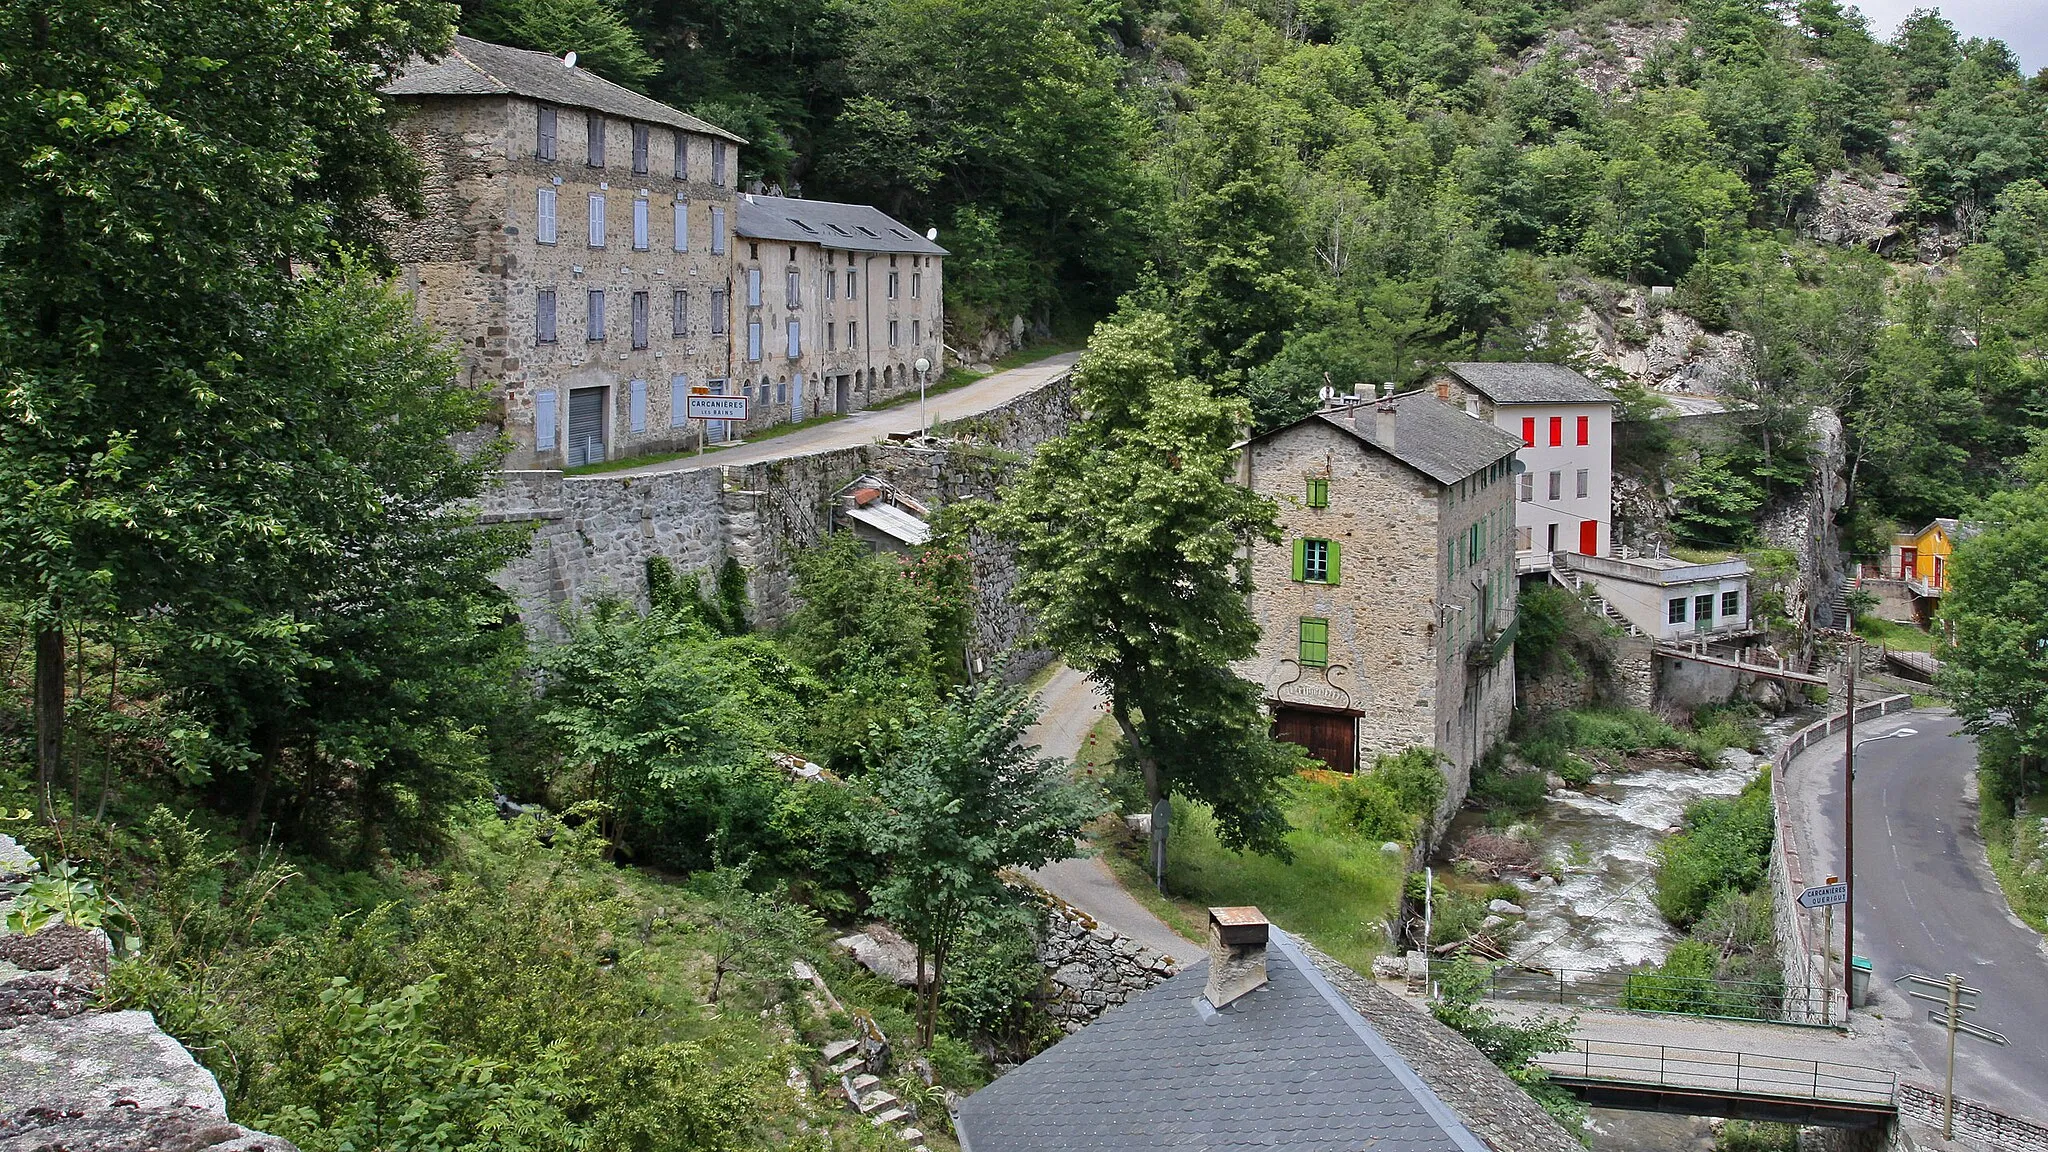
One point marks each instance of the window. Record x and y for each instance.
(679, 312)
(1528, 431)
(753, 251)
(1703, 609)
(892, 284)
(916, 284)
(636, 411)
(544, 135)
(1585, 480)
(916, 331)
(781, 391)
(640, 162)
(678, 401)
(596, 227)
(1557, 485)
(1319, 493)
(1315, 642)
(639, 224)
(831, 336)
(1524, 539)
(792, 287)
(1316, 561)
(682, 152)
(1674, 610)
(639, 319)
(718, 162)
(796, 339)
(593, 144)
(1731, 603)
(853, 333)
(1557, 431)
(1528, 487)
(718, 231)
(852, 286)
(892, 333)
(754, 341)
(831, 284)
(544, 316)
(1474, 545)
(718, 310)
(1585, 431)
(544, 217)
(753, 287)
(681, 242)
(544, 421)
(594, 316)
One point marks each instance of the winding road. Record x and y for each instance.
(1926, 902)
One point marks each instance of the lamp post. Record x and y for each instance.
(923, 366)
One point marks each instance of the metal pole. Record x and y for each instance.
(1827, 983)
(1948, 1096)
(923, 426)
(1849, 842)
(1428, 899)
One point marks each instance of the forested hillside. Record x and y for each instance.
(1360, 187)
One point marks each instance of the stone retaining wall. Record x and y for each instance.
(1094, 968)
(1975, 1125)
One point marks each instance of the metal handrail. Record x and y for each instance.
(1705, 1069)
(1595, 988)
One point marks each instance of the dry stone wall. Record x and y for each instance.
(1093, 968)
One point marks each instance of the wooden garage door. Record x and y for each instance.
(1331, 737)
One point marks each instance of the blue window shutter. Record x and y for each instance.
(639, 405)
(544, 421)
(678, 400)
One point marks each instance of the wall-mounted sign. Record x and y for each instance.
(716, 407)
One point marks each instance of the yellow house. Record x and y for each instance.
(1921, 558)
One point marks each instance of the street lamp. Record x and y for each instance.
(923, 366)
(1898, 734)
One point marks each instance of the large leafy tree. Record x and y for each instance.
(1997, 613)
(1130, 531)
(963, 801)
(161, 166)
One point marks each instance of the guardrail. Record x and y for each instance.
(1589, 988)
(1706, 1070)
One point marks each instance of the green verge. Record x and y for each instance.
(2019, 854)
(604, 466)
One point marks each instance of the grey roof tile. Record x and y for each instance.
(1530, 383)
(475, 67)
(1291, 1066)
(1430, 436)
(853, 227)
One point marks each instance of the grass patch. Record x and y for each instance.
(755, 437)
(1338, 890)
(2019, 854)
(1703, 555)
(1895, 636)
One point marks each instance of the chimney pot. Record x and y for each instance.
(1237, 954)
(1383, 420)
(1443, 388)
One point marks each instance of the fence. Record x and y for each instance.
(1700, 1069)
(1647, 990)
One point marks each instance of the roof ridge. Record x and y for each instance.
(455, 50)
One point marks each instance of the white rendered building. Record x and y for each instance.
(1564, 496)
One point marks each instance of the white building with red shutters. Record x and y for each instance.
(1564, 493)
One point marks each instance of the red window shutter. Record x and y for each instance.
(1583, 430)
(1528, 431)
(1589, 537)
(1557, 431)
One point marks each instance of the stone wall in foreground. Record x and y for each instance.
(1093, 968)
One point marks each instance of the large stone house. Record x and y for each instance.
(1387, 611)
(1565, 422)
(590, 252)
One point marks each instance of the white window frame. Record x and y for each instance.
(544, 203)
(595, 225)
(639, 223)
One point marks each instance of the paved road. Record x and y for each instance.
(1926, 902)
(1071, 706)
(870, 425)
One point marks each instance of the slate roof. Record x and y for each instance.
(1291, 1066)
(475, 67)
(1430, 436)
(854, 227)
(1530, 383)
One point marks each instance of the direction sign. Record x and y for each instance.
(1965, 1027)
(1824, 895)
(715, 407)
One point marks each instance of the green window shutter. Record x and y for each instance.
(1333, 563)
(1300, 550)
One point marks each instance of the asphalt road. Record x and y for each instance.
(1926, 902)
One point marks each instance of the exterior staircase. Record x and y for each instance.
(852, 1062)
(1838, 608)
(1595, 603)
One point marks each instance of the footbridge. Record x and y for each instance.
(1648, 1077)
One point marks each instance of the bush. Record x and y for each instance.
(1725, 844)
(1745, 1136)
(1373, 811)
(1683, 983)
(994, 987)
(1508, 794)
(1414, 778)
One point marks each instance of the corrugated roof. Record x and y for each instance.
(892, 521)
(475, 67)
(1290, 1066)
(1528, 383)
(855, 227)
(1430, 436)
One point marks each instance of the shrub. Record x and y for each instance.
(957, 1065)
(1414, 778)
(1512, 794)
(1746, 1136)
(1683, 983)
(1725, 844)
(994, 987)
(1367, 806)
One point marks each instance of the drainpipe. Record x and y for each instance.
(867, 325)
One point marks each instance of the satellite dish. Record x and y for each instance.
(931, 233)
(1326, 392)
(569, 61)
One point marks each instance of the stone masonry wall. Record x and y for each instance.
(1976, 1126)
(1093, 968)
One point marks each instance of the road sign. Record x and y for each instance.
(1965, 1027)
(716, 407)
(1824, 895)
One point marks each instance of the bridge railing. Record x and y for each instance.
(1648, 990)
(1706, 1070)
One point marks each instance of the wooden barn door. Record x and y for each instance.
(1331, 737)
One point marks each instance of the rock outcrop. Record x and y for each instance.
(1607, 59)
(1856, 211)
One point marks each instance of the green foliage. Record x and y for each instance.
(995, 989)
(1557, 636)
(62, 894)
(1747, 1136)
(1683, 983)
(1997, 612)
(1724, 844)
(1512, 1046)
(1374, 811)
(1400, 794)
(593, 29)
(750, 932)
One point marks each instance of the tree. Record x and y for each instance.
(163, 166)
(593, 29)
(750, 931)
(1513, 1047)
(1130, 534)
(963, 801)
(1997, 611)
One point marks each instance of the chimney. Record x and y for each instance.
(1383, 419)
(1443, 389)
(1237, 954)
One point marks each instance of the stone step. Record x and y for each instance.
(864, 1082)
(838, 1048)
(911, 1136)
(849, 1064)
(876, 1102)
(885, 1119)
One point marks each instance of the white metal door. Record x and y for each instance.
(586, 426)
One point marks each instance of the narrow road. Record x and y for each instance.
(1926, 902)
(1070, 707)
(872, 424)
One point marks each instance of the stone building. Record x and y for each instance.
(1387, 610)
(1565, 422)
(582, 243)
